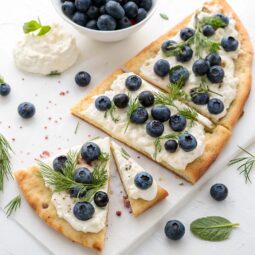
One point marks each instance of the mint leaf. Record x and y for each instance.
(212, 228)
(31, 26)
(44, 30)
(164, 16)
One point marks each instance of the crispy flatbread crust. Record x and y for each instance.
(214, 141)
(39, 198)
(242, 65)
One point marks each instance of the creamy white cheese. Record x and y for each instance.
(55, 51)
(227, 88)
(128, 168)
(137, 133)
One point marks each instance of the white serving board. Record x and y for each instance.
(99, 59)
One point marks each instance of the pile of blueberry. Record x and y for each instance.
(159, 113)
(106, 15)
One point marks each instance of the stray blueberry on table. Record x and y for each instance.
(154, 128)
(59, 163)
(139, 116)
(219, 191)
(103, 103)
(83, 175)
(174, 230)
(90, 151)
(101, 198)
(82, 79)
(215, 106)
(83, 210)
(26, 110)
(143, 180)
(5, 89)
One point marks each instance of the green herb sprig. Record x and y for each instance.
(124, 154)
(132, 106)
(111, 112)
(164, 16)
(13, 205)
(1, 79)
(33, 25)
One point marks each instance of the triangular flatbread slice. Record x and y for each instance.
(40, 199)
(140, 200)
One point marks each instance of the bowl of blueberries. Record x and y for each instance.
(106, 20)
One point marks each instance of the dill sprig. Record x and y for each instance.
(124, 154)
(245, 163)
(5, 164)
(132, 106)
(189, 114)
(110, 112)
(214, 21)
(13, 205)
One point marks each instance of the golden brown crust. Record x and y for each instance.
(39, 198)
(215, 141)
(242, 64)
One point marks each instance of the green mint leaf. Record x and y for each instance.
(44, 30)
(212, 228)
(164, 16)
(31, 26)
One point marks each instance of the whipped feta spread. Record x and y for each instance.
(128, 169)
(137, 133)
(53, 52)
(64, 203)
(227, 88)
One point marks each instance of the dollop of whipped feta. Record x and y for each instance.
(53, 52)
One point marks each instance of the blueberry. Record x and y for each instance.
(139, 116)
(83, 210)
(215, 106)
(83, 175)
(5, 89)
(59, 163)
(224, 18)
(187, 142)
(219, 191)
(92, 24)
(166, 44)
(133, 82)
(229, 43)
(154, 128)
(99, 3)
(26, 110)
(161, 67)
(143, 180)
(174, 230)
(141, 15)
(101, 198)
(214, 59)
(177, 73)
(199, 98)
(185, 54)
(208, 30)
(82, 5)
(177, 122)
(146, 98)
(93, 12)
(80, 19)
(102, 10)
(82, 79)
(200, 67)
(124, 22)
(75, 192)
(103, 103)
(106, 23)
(68, 8)
(131, 9)
(161, 113)
(90, 151)
(121, 100)
(186, 33)
(114, 9)
(171, 145)
(215, 74)
(145, 4)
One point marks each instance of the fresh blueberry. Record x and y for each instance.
(124, 22)
(106, 23)
(214, 59)
(103, 103)
(219, 191)
(187, 142)
(224, 18)
(5, 89)
(229, 43)
(186, 33)
(177, 73)
(166, 44)
(215, 74)
(185, 54)
(215, 106)
(101, 198)
(200, 67)
(99, 3)
(146, 98)
(145, 4)
(171, 145)
(83, 210)
(59, 163)
(80, 18)
(121, 100)
(177, 122)
(174, 230)
(208, 30)
(82, 79)
(26, 110)
(92, 24)
(139, 116)
(161, 113)
(90, 151)
(141, 15)
(114, 9)
(68, 8)
(83, 175)
(82, 5)
(143, 180)
(75, 192)
(102, 9)
(133, 82)
(131, 9)
(93, 12)
(154, 128)
(199, 98)
(161, 67)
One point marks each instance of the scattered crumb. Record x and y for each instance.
(44, 154)
(118, 213)
(181, 183)
(126, 202)
(62, 93)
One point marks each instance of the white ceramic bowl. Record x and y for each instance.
(105, 36)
